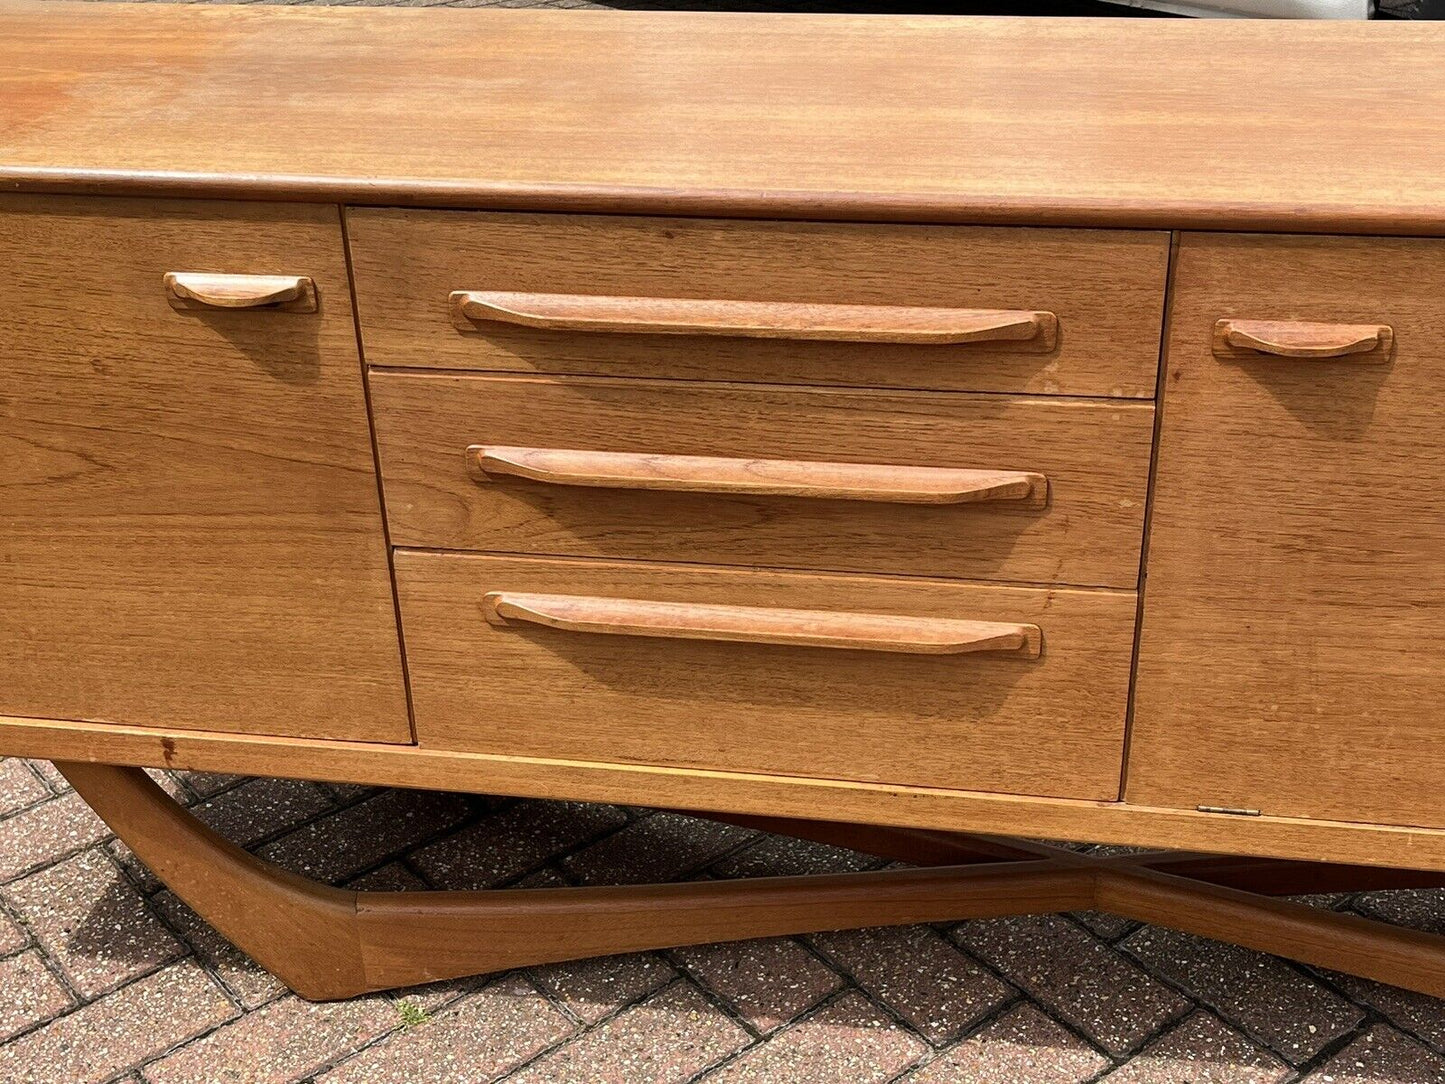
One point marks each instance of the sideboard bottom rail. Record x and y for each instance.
(327, 943)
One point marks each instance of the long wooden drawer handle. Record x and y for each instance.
(751, 319)
(202, 290)
(761, 625)
(756, 477)
(1301, 339)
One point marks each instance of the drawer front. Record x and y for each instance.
(1293, 643)
(1079, 521)
(190, 532)
(1105, 290)
(996, 720)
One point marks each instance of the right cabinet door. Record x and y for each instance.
(1292, 652)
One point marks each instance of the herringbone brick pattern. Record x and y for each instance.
(108, 977)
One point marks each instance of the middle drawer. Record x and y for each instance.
(1040, 490)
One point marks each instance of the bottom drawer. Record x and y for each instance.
(1039, 713)
(1006, 689)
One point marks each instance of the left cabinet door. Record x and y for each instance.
(190, 529)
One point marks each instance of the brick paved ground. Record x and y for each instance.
(107, 977)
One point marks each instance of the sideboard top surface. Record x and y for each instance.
(1244, 125)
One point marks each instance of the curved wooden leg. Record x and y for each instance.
(302, 932)
(329, 943)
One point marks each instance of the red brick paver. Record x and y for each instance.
(660, 847)
(39, 834)
(938, 990)
(19, 786)
(110, 979)
(502, 847)
(767, 983)
(31, 993)
(288, 1039)
(1023, 1047)
(673, 1035)
(849, 1039)
(132, 1025)
(1382, 1056)
(1278, 1004)
(1202, 1050)
(480, 1036)
(92, 922)
(592, 990)
(12, 937)
(1081, 979)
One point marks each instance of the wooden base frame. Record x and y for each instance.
(328, 943)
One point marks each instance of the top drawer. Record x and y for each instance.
(1103, 289)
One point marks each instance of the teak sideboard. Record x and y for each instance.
(923, 434)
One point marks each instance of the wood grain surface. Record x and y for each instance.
(192, 562)
(801, 478)
(1246, 340)
(187, 290)
(1051, 725)
(329, 943)
(190, 534)
(1293, 629)
(795, 321)
(1105, 288)
(1093, 454)
(1250, 125)
(832, 628)
(1380, 846)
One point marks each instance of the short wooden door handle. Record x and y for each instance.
(756, 477)
(1302, 339)
(203, 290)
(761, 625)
(751, 319)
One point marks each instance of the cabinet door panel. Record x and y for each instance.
(1292, 654)
(190, 532)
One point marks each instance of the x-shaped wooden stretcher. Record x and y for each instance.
(328, 943)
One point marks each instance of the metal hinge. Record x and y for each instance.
(1228, 810)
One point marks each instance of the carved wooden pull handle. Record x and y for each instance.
(757, 477)
(1301, 339)
(751, 319)
(201, 290)
(761, 625)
